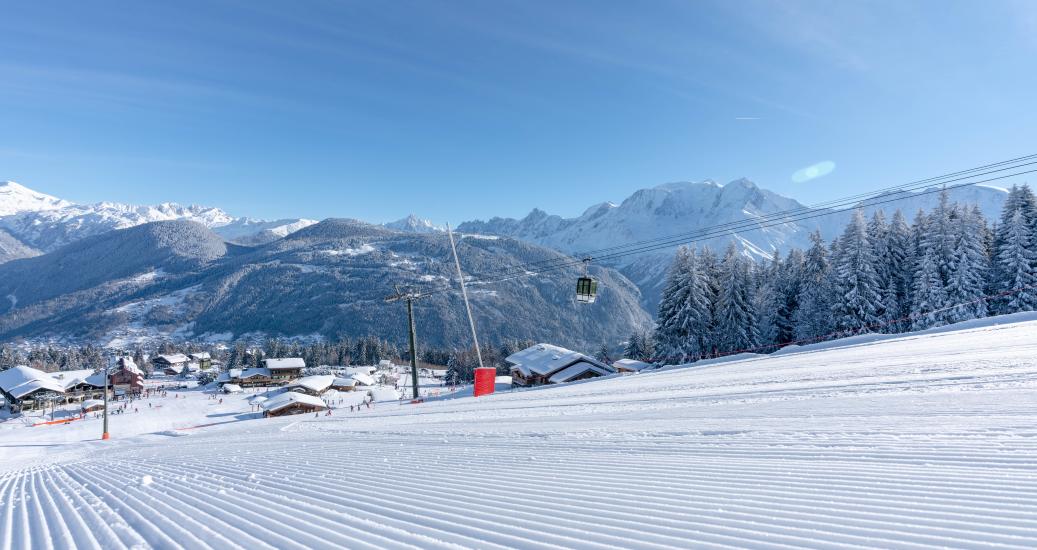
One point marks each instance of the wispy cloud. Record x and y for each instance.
(747, 118)
(814, 171)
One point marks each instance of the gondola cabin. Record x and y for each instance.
(586, 290)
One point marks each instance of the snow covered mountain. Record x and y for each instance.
(42, 222)
(178, 279)
(16, 198)
(414, 224)
(688, 208)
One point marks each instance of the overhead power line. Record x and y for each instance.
(910, 187)
(882, 196)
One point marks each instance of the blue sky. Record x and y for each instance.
(460, 110)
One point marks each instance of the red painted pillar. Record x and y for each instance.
(484, 380)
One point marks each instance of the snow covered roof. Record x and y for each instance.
(363, 379)
(201, 356)
(259, 371)
(384, 393)
(21, 381)
(631, 365)
(364, 370)
(545, 359)
(575, 370)
(129, 365)
(92, 403)
(315, 383)
(289, 398)
(344, 381)
(232, 388)
(70, 378)
(285, 363)
(173, 358)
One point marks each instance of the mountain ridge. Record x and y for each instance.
(687, 208)
(45, 223)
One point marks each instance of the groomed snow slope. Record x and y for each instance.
(919, 441)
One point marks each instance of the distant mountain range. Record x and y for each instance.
(125, 274)
(42, 223)
(179, 279)
(685, 208)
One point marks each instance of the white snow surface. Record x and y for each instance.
(916, 441)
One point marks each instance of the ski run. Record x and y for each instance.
(919, 440)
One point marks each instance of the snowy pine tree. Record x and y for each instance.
(966, 280)
(896, 268)
(1017, 264)
(857, 301)
(683, 330)
(1014, 263)
(769, 301)
(670, 337)
(736, 322)
(929, 296)
(814, 317)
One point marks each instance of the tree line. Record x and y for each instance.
(364, 350)
(946, 266)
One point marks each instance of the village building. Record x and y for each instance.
(353, 370)
(171, 364)
(80, 384)
(126, 376)
(292, 402)
(92, 405)
(202, 358)
(550, 364)
(250, 378)
(344, 383)
(312, 385)
(26, 388)
(630, 366)
(231, 388)
(283, 370)
(361, 379)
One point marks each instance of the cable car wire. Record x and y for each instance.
(754, 223)
(763, 222)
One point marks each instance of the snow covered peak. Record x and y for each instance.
(686, 185)
(46, 223)
(414, 224)
(16, 198)
(599, 209)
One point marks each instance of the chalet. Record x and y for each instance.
(171, 364)
(350, 371)
(202, 358)
(92, 405)
(81, 384)
(361, 379)
(292, 402)
(630, 366)
(283, 370)
(549, 364)
(312, 385)
(25, 388)
(232, 388)
(248, 378)
(347, 383)
(127, 376)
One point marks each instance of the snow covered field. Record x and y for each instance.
(916, 441)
